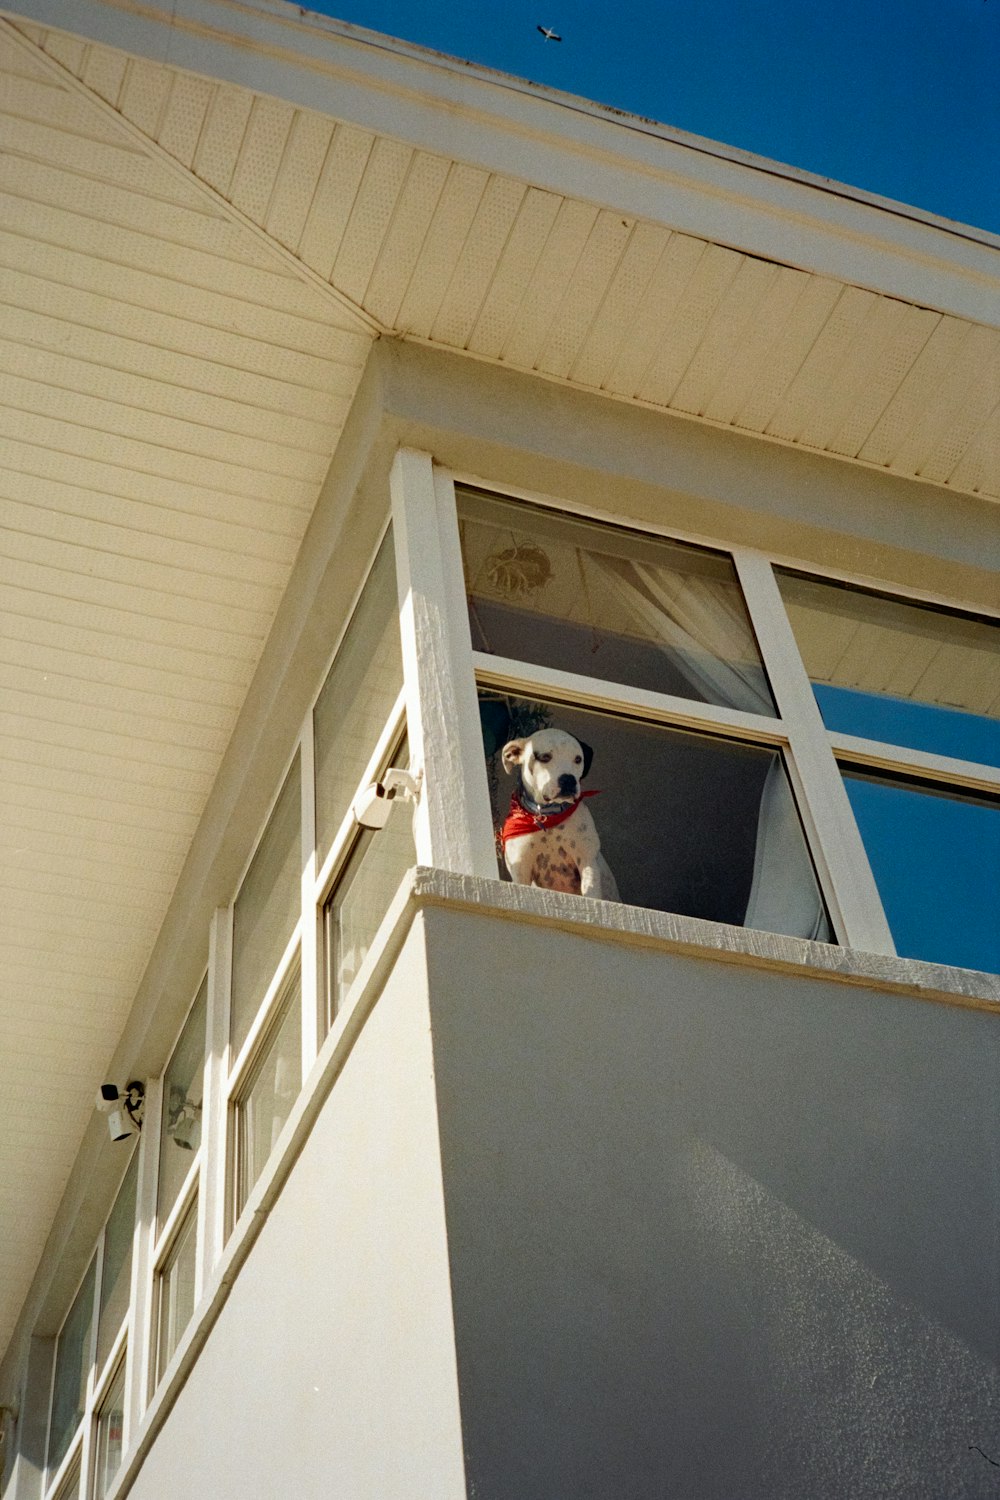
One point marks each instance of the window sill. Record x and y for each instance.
(607, 921)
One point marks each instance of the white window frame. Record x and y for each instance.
(443, 671)
(229, 1074)
(99, 1380)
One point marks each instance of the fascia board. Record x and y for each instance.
(558, 142)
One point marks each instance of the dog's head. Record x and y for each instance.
(551, 762)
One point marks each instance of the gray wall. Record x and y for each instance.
(715, 1231)
(331, 1369)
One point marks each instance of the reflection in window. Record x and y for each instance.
(935, 855)
(689, 823)
(73, 1360)
(265, 1100)
(175, 1284)
(110, 1435)
(905, 674)
(357, 697)
(180, 1121)
(605, 602)
(370, 879)
(267, 908)
(116, 1265)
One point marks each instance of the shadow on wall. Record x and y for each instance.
(716, 1233)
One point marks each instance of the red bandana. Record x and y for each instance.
(520, 821)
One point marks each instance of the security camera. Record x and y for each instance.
(372, 806)
(123, 1108)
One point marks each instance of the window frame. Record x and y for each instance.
(98, 1381)
(813, 755)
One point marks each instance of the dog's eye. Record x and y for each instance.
(578, 761)
(543, 760)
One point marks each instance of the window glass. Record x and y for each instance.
(110, 1435)
(70, 1487)
(935, 855)
(175, 1289)
(889, 670)
(608, 603)
(116, 1266)
(267, 908)
(370, 879)
(357, 697)
(72, 1366)
(266, 1100)
(180, 1123)
(690, 823)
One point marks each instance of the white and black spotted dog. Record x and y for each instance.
(549, 838)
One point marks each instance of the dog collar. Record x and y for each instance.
(526, 816)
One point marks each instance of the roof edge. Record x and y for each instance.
(556, 141)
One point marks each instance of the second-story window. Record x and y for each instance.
(910, 697)
(643, 650)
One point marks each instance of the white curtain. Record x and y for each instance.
(784, 896)
(704, 631)
(701, 627)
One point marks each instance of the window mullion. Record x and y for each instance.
(211, 1229)
(137, 1352)
(310, 945)
(837, 847)
(452, 828)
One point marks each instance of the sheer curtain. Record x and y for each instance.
(703, 629)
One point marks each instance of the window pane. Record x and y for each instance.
(110, 1441)
(367, 885)
(267, 908)
(180, 1124)
(175, 1289)
(898, 672)
(935, 855)
(266, 1102)
(608, 603)
(688, 823)
(363, 684)
(116, 1271)
(71, 1370)
(70, 1487)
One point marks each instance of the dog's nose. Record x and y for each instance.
(567, 785)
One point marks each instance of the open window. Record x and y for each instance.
(643, 649)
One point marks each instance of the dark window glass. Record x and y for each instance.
(116, 1267)
(367, 884)
(689, 823)
(886, 669)
(604, 602)
(175, 1283)
(180, 1124)
(265, 1100)
(109, 1442)
(73, 1360)
(357, 698)
(935, 854)
(267, 908)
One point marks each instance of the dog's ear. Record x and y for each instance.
(588, 756)
(512, 754)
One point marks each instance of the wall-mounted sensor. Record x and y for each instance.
(123, 1108)
(372, 806)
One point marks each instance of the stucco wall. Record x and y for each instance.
(331, 1369)
(715, 1231)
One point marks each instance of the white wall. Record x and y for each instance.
(717, 1233)
(331, 1369)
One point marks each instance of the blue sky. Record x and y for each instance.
(901, 97)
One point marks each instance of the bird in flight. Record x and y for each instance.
(549, 34)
